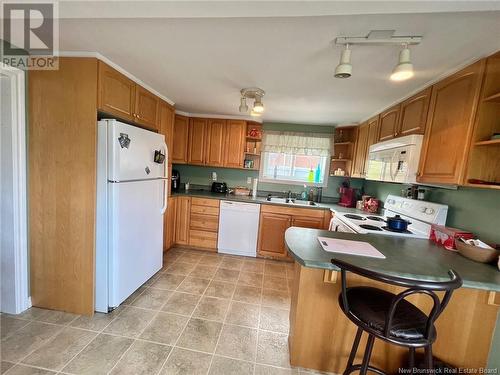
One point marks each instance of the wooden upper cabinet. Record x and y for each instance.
(372, 131)
(234, 143)
(413, 114)
(166, 116)
(116, 93)
(197, 137)
(181, 137)
(146, 108)
(388, 122)
(272, 234)
(358, 166)
(214, 154)
(449, 125)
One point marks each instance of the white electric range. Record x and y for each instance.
(420, 214)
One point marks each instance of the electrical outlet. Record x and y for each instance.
(214, 176)
(249, 180)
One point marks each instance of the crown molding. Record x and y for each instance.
(224, 117)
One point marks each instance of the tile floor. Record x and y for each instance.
(201, 314)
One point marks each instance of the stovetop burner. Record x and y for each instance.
(354, 217)
(375, 218)
(369, 227)
(396, 231)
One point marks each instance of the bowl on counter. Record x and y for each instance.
(476, 253)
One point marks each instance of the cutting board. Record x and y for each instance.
(360, 248)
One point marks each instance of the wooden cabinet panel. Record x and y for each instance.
(372, 131)
(205, 202)
(234, 143)
(308, 222)
(169, 224)
(272, 229)
(203, 239)
(413, 114)
(166, 115)
(116, 93)
(181, 140)
(449, 125)
(388, 123)
(197, 137)
(146, 108)
(182, 216)
(204, 210)
(214, 153)
(208, 223)
(358, 166)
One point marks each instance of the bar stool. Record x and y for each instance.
(390, 317)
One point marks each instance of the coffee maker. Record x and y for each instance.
(347, 196)
(176, 180)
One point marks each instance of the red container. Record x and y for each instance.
(445, 236)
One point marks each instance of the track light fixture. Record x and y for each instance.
(252, 93)
(344, 69)
(404, 69)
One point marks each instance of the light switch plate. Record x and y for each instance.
(249, 180)
(214, 176)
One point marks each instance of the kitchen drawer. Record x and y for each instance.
(204, 210)
(294, 211)
(199, 238)
(204, 222)
(205, 202)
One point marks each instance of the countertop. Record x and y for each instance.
(249, 199)
(406, 257)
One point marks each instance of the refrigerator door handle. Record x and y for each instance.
(165, 181)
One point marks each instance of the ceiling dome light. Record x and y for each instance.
(344, 69)
(255, 114)
(258, 107)
(243, 105)
(404, 69)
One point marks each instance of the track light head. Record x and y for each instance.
(258, 107)
(344, 69)
(404, 69)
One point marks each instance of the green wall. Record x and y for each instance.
(476, 210)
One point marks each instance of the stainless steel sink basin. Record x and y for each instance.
(291, 202)
(302, 203)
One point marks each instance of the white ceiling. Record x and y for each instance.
(201, 63)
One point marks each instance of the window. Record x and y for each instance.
(295, 158)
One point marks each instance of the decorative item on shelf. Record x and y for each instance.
(254, 133)
(339, 172)
(248, 163)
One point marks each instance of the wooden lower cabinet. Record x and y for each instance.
(182, 217)
(275, 220)
(204, 223)
(169, 224)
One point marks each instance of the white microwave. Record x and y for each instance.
(395, 160)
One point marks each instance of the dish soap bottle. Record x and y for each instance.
(310, 176)
(317, 175)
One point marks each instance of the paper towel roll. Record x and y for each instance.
(254, 187)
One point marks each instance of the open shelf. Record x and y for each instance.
(488, 143)
(333, 159)
(492, 98)
(253, 139)
(343, 143)
(252, 154)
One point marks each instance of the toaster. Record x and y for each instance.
(219, 187)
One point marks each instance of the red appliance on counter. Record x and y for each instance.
(347, 196)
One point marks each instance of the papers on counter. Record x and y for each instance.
(360, 248)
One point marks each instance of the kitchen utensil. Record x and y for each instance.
(176, 180)
(397, 223)
(476, 253)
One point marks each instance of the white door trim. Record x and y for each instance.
(19, 160)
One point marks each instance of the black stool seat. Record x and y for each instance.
(371, 306)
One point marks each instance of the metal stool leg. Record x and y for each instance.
(411, 358)
(428, 357)
(354, 349)
(368, 354)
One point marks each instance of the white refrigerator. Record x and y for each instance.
(131, 200)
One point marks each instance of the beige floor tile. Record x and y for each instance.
(134, 295)
(98, 321)
(180, 268)
(211, 308)
(31, 314)
(250, 278)
(232, 263)
(200, 335)
(226, 275)
(27, 370)
(273, 319)
(247, 294)
(130, 322)
(211, 260)
(203, 271)
(168, 281)
(190, 257)
(253, 266)
(243, 314)
(272, 349)
(60, 349)
(142, 358)
(237, 342)
(165, 328)
(27, 339)
(276, 298)
(153, 299)
(228, 366)
(4, 366)
(193, 285)
(181, 303)
(57, 317)
(187, 362)
(9, 325)
(271, 370)
(220, 289)
(274, 282)
(99, 356)
(275, 269)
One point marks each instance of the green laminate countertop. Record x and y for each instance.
(248, 199)
(406, 257)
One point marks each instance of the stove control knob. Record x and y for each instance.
(423, 209)
(391, 201)
(429, 211)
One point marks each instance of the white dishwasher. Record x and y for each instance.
(238, 228)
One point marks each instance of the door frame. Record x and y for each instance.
(20, 269)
